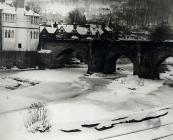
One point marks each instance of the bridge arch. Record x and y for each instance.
(64, 56)
(124, 65)
(111, 62)
(157, 67)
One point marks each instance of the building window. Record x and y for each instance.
(9, 33)
(3, 17)
(38, 35)
(32, 20)
(31, 34)
(7, 17)
(62, 32)
(19, 45)
(12, 34)
(12, 17)
(36, 20)
(6, 33)
(34, 34)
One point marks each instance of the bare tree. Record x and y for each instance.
(143, 12)
(76, 16)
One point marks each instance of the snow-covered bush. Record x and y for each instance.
(37, 120)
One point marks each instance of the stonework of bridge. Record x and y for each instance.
(146, 56)
(101, 55)
(61, 49)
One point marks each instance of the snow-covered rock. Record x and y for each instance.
(126, 84)
(45, 51)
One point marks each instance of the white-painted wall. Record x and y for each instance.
(22, 33)
(8, 43)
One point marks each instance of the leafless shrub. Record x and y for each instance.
(37, 120)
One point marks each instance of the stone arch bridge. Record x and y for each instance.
(101, 55)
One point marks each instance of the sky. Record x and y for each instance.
(64, 6)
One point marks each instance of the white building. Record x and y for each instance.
(20, 28)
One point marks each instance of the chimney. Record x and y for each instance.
(74, 28)
(55, 25)
(20, 3)
(20, 10)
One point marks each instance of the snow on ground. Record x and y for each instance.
(73, 100)
(169, 60)
(8, 83)
(27, 87)
(16, 120)
(62, 75)
(125, 69)
(122, 70)
(134, 84)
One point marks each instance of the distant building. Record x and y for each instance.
(20, 31)
(74, 32)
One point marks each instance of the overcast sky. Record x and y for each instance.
(64, 6)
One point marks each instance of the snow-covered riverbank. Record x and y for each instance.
(74, 99)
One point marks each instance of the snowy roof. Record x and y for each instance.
(50, 29)
(74, 37)
(82, 30)
(61, 28)
(41, 28)
(108, 29)
(89, 38)
(100, 31)
(67, 28)
(93, 30)
(93, 26)
(31, 13)
(12, 10)
(7, 9)
(45, 51)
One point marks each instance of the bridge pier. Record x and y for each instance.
(148, 73)
(96, 64)
(109, 67)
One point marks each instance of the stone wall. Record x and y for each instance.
(18, 58)
(61, 50)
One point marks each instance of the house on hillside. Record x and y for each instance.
(74, 32)
(19, 35)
